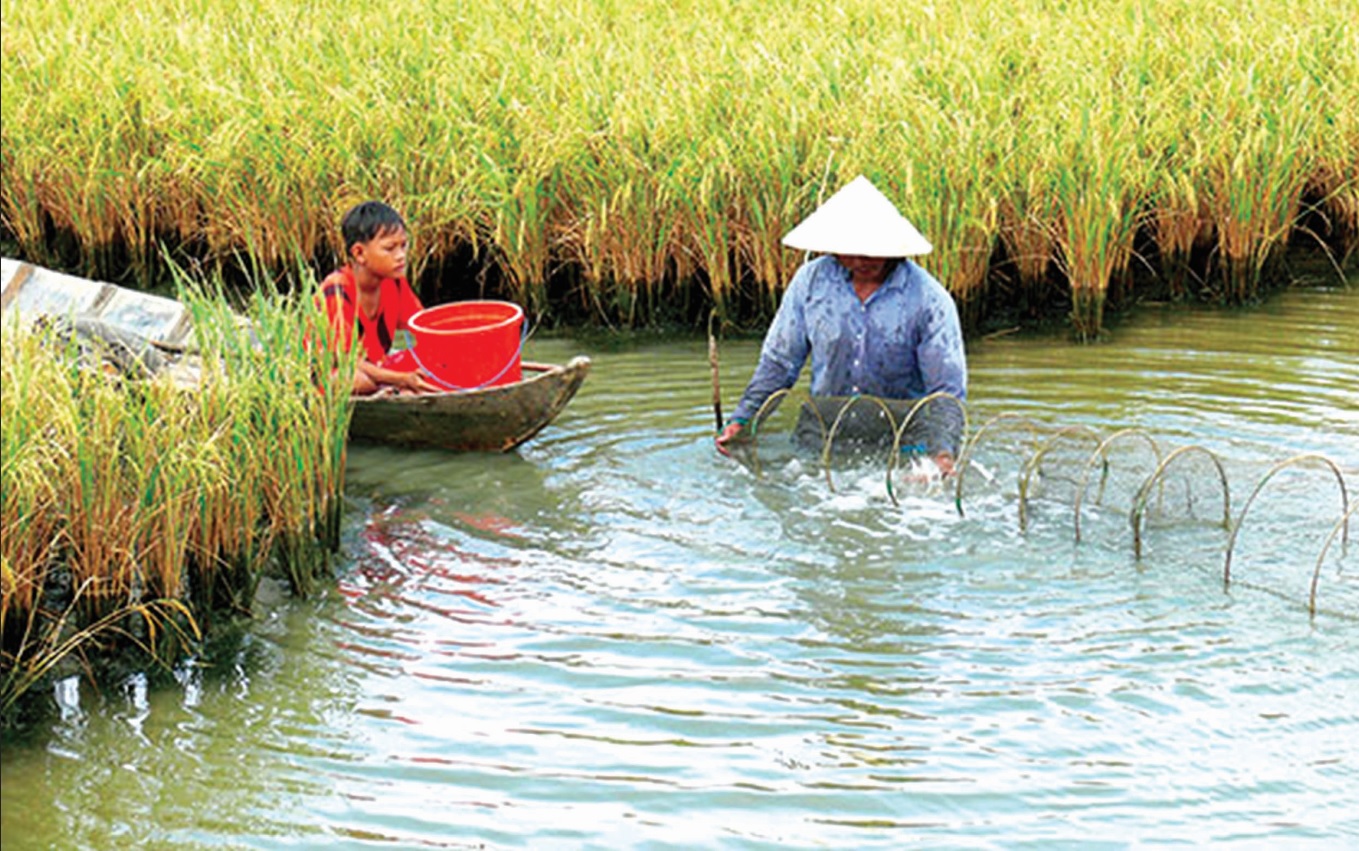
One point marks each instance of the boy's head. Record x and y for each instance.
(368, 221)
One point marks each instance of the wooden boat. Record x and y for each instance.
(494, 419)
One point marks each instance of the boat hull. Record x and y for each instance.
(495, 419)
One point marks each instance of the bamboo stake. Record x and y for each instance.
(712, 365)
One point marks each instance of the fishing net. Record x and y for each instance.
(116, 351)
(1111, 477)
(993, 457)
(1116, 487)
(1051, 477)
(1302, 499)
(1189, 487)
(853, 435)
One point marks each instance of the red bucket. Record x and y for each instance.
(467, 345)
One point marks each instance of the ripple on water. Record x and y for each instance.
(616, 638)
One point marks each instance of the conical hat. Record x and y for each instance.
(858, 220)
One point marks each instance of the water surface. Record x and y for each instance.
(615, 638)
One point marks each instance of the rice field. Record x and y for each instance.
(137, 512)
(614, 159)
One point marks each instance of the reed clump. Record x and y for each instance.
(136, 511)
(613, 161)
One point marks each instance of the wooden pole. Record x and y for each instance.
(712, 364)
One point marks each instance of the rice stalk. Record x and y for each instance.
(950, 164)
(655, 154)
(1180, 223)
(30, 497)
(125, 497)
(1098, 205)
(1258, 164)
(159, 629)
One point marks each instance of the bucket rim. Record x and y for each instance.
(515, 314)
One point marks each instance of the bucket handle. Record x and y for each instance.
(523, 337)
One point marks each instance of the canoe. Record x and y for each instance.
(495, 419)
(140, 325)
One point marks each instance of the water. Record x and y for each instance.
(617, 639)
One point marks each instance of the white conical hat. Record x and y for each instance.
(858, 220)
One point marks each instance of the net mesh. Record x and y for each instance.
(1107, 486)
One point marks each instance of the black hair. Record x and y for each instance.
(369, 220)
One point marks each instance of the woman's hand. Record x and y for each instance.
(944, 461)
(728, 434)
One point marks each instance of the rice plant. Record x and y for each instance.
(138, 509)
(614, 160)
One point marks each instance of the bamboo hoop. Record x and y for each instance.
(835, 426)
(1140, 500)
(1282, 465)
(906, 422)
(1103, 451)
(1036, 460)
(1343, 523)
(965, 459)
(766, 408)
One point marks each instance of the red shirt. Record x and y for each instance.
(397, 303)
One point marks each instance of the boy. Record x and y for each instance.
(372, 292)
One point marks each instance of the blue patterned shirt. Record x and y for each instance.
(904, 342)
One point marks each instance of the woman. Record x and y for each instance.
(873, 322)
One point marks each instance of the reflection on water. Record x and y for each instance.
(616, 638)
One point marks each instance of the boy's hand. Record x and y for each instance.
(416, 383)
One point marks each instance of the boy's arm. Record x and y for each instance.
(369, 377)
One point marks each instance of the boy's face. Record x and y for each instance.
(384, 255)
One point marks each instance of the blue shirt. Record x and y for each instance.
(904, 342)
